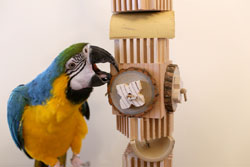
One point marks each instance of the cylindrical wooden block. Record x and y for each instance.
(140, 5)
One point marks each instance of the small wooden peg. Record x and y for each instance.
(184, 91)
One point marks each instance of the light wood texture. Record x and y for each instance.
(156, 71)
(154, 150)
(143, 50)
(161, 25)
(140, 5)
(149, 91)
(173, 88)
(129, 159)
(145, 129)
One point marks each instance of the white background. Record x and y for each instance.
(212, 48)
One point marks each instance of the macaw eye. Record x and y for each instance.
(71, 65)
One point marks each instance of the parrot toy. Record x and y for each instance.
(46, 115)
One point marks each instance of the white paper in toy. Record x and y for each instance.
(130, 94)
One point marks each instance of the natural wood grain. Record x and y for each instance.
(129, 159)
(140, 5)
(123, 26)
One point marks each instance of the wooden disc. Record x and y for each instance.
(148, 90)
(171, 74)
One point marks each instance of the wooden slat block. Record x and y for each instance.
(145, 50)
(139, 5)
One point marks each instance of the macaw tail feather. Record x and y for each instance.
(40, 164)
(62, 160)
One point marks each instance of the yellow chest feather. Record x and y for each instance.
(50, 128)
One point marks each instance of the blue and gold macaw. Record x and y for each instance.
(45, 116)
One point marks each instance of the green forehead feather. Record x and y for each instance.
(65, 55)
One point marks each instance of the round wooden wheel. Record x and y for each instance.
(129, 75)
(173, 88)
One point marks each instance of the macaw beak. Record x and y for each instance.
(99, 55)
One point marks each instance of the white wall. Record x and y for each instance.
(212, 48)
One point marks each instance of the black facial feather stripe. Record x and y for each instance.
(79, 70)
(73, 71)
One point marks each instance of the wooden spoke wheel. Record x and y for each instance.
(173, 88)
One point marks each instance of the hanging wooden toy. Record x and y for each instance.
(141, 30)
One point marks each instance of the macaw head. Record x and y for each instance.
(78, 62)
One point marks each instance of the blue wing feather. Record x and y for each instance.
(15, 108)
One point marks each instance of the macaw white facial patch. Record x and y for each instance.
(130, 94)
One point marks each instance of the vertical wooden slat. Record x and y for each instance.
(119, 6)
(117, 123)
(124, 43)
(170, 123)
(142, 129)
(128, 131)
(122, 131)
(117, 51)
(114, 5)
(164, 4)
(156, 128)
(153, 129)
(171, 4)
(156, 58)
(130, 5)
(126, 125)
(159, 129)
(123, 51)
(138, 54)
(132, 129)
(148, 50)
(124, 5)
(138, 162)
(165, 126)
(145, 55)
(132, 162)
(145, 128)
(162, 127)
(148, 128)
(166, 51)
(152, 50)
(136, 4)
(131, 46)
(161, 50)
